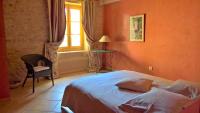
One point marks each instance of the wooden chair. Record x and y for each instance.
(34, 70)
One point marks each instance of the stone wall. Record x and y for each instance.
(26, 27)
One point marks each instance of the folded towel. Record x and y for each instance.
(156, 101)
(136, 107)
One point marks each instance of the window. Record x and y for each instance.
(73, 39)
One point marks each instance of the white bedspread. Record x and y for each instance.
(98, 93)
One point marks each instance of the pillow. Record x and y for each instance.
(186, 88)
(156, 101)
(140, 85)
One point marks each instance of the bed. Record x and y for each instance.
(99, 93)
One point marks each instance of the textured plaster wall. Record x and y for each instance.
(26, 27)
(171, 37)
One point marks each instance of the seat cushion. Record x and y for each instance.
(40, 68)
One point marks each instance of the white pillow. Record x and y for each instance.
(140, 85)
(162, 101)
(186, 88)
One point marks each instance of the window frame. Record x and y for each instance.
(69, 6)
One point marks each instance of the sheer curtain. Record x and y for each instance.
(90, 26)
(57, 24)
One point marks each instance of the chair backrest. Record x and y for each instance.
(32, 59)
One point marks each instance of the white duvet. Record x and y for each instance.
(99, 94)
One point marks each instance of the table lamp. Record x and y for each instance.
(104, 39)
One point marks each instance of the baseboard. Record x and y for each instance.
(72, 71)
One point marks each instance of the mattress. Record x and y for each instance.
(98, 93)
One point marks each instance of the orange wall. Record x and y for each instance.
(4, 89)
(172, 37)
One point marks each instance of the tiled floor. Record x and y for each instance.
(46, 99)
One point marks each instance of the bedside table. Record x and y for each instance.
(100, 54)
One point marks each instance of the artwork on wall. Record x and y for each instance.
(137, 28)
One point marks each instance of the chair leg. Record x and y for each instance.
(25, 80)
(52, 79)
(33, 83)
(38, 80)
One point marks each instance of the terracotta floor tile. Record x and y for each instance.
(57, 109)
(46, 99)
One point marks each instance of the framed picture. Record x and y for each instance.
(137, 28)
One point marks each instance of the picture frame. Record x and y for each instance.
(137, 28)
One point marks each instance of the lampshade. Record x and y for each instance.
(104, 38)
